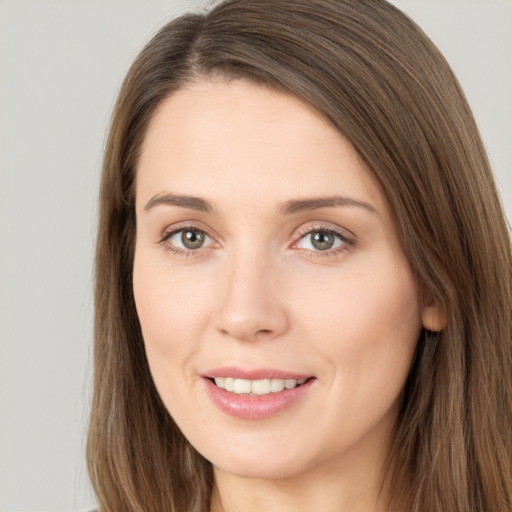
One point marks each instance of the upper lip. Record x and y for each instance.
(254, 374)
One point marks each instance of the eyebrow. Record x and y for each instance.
(287, 208)
(315, 203)
(190, 202)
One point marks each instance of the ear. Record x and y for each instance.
(433, 317)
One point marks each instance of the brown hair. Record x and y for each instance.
(382, 83)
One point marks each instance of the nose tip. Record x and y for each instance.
(245, 329)
(252, 307)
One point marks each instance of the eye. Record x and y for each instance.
(321, 240)
(188, 239)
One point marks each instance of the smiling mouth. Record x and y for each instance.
(256, 387)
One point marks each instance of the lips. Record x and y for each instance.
(256, 394)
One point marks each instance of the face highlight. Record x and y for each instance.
(279, 312)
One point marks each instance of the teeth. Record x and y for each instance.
(261, 387)
(290, 383)
(256, 387)
(229, 384)
(242, 386)
(276, 385)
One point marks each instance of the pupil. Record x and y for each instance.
(192, 239)
(322, 240)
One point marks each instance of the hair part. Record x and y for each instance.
(381, 82)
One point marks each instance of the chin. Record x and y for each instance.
(260, 470)
(259, 463)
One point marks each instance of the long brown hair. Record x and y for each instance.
(383, 84)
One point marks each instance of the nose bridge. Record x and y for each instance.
(251, 305)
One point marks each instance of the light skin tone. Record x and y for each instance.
(263, 241)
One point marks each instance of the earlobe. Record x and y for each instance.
(434, 318)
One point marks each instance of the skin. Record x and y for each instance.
(258, 294)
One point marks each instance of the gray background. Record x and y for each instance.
(61, 64)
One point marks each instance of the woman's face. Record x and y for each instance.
(267, 259)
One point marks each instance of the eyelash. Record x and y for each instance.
(167, 235)
(347, 241)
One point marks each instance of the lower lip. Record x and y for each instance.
(255, 407)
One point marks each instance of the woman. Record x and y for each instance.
(303, 285)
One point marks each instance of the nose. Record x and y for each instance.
(252, 303)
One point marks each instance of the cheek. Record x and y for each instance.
(374, 301)
(172, 311)
(366, 326)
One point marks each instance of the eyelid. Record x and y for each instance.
(346, 236)
(170, 230)
(344, 233)
(173, 229)
(184, 230)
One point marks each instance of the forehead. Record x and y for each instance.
(214, 137)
